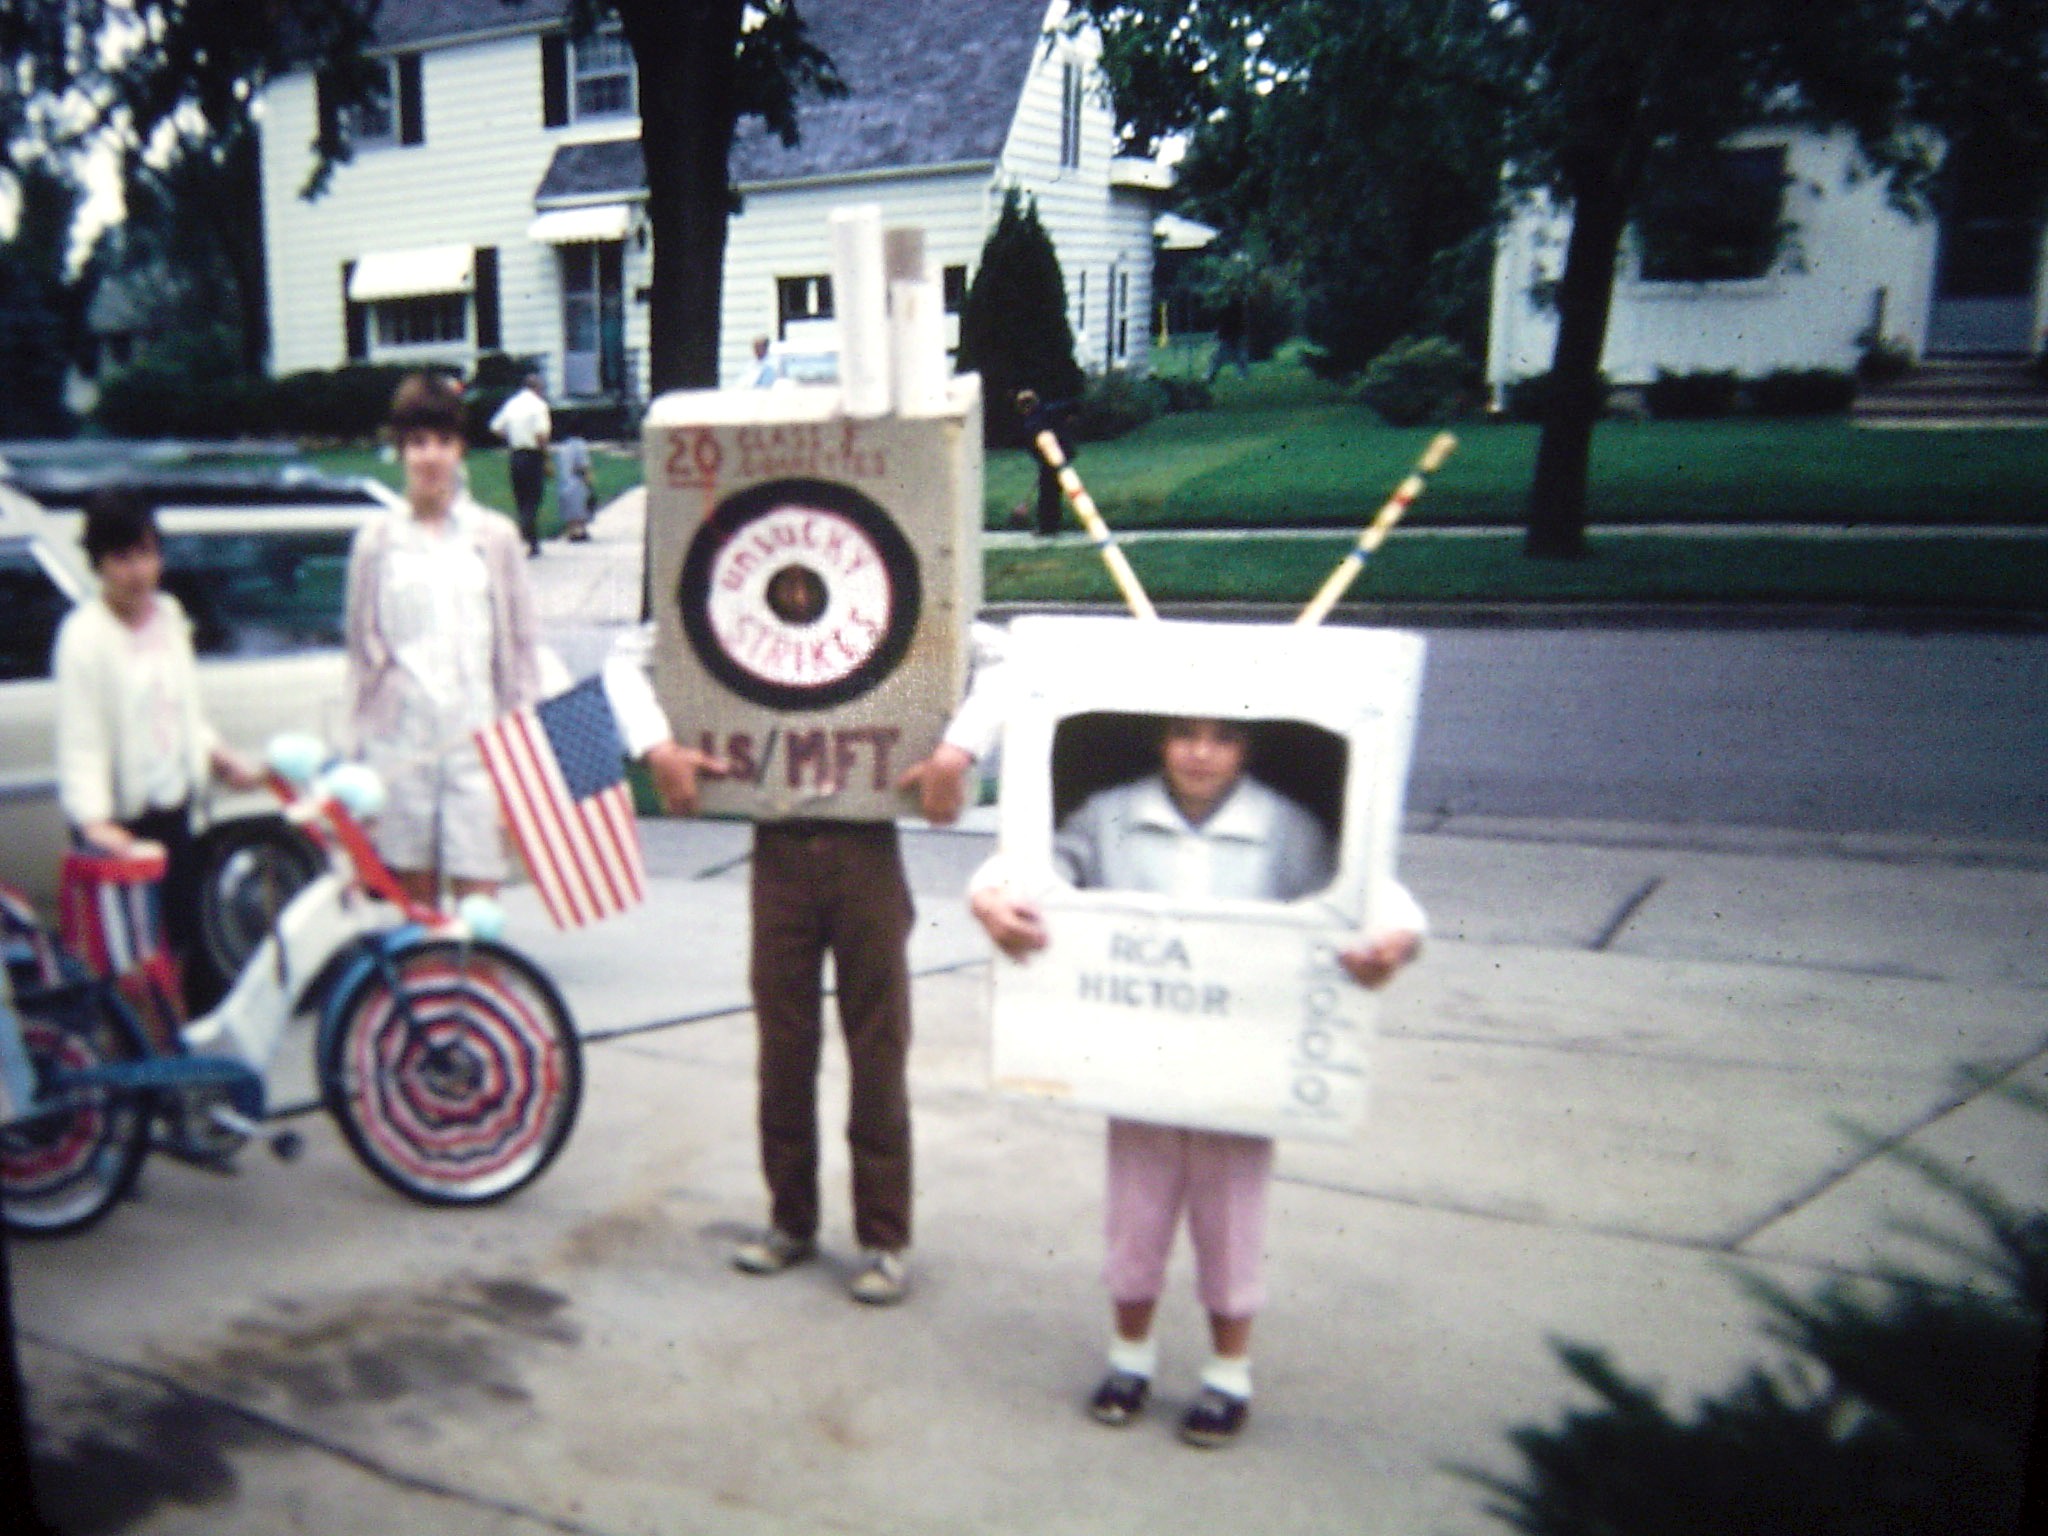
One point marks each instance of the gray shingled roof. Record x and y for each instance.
(930, 83)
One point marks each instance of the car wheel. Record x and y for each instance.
(252, 871)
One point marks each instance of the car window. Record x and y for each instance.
(260, 594)
(31, 608)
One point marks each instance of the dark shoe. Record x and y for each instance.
(1215, 1419)
(771, 1253)
(1120, 1398)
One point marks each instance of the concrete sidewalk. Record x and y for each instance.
(1622, 1077)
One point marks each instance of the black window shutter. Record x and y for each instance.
(554, 80)
(355, 319)
(412, 117)
(329, 117)
(487, 338)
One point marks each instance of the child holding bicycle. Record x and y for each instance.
(133, 744)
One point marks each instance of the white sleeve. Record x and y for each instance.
(629, 685)
(978, 723)
(1399, 911)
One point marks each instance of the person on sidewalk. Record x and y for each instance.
(824, 887)
(133, 742)
(526, 425)
(573, 488)
(443, 637)
(1200, 827)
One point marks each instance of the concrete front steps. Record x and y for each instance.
(1959, 392)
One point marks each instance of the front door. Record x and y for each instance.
(593, 319)
(1989, 260)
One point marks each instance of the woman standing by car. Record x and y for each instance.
(133, 744)
(441, 640)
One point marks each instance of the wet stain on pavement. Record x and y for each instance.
(140, 1455)
(109, 1457)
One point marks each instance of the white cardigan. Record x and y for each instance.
(105, 763)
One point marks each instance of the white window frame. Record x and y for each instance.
(601, 58)
(385, 315)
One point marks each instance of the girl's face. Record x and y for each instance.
(129, 578)
(1202, 760)
(433, 469)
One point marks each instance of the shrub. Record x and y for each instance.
(345, 404)
(1013, 325)
(1114, 404)
(1528, 399)
(1691, 396)
(1803, 392)
(1182, 394)
(187, 386)
(1425, 379)
(603, 419)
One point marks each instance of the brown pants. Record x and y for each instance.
(838, 888)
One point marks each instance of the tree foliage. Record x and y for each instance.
(1341, 140)
(1013, 325)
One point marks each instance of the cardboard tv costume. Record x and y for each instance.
(1220, 1015)
(814, 556)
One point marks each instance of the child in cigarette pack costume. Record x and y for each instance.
(1227, 800)
(814, 567)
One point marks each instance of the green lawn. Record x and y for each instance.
(1282, 450)
(1332, 465)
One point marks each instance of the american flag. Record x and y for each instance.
(558, 768)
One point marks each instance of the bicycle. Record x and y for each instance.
(449, 1059)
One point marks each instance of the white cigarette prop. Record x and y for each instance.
(1091, 519)
(1340, 579)
(860, 299)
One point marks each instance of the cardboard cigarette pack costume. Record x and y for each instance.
(1219, 1012)
(813, 569)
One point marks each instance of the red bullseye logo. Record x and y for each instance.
(799, 594)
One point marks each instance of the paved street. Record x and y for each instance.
(1653, 1047)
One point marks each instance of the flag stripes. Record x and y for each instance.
(583, 850)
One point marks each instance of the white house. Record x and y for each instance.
(1853, 267)
(495, 202)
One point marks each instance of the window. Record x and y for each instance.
(1070, 115)
(1719, 221)
(798, 299)
(31, 608)
(601, 75)
(954, 287)
(393, 110)
(266, 593)
(374, 120)
(423, 321)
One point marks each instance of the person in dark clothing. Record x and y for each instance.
(1040, 417)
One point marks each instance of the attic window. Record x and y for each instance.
(601, 73)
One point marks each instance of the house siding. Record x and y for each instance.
(486, 149)
(471, 183)
(1850, 245)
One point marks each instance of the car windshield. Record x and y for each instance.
(31, 608)
(260, 594)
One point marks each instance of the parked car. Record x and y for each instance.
(259, 559)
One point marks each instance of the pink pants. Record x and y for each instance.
(1156, 1171)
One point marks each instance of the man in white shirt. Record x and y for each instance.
(526, 425)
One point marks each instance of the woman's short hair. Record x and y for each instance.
(118, 518)
(427, 402)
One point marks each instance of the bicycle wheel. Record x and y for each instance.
(459, 1083)
(252, 872)
(61, 1170)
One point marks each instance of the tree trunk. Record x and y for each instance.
(241, 242)
(688, 105)
(1585, 295)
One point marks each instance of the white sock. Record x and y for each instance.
(1229, 1374)
(1134, 1357)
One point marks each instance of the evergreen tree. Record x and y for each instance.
(1013, 326)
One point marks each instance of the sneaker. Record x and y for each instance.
(1120, 1398)
(883, 1280)
(1215, 1419)
(772, 1253)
